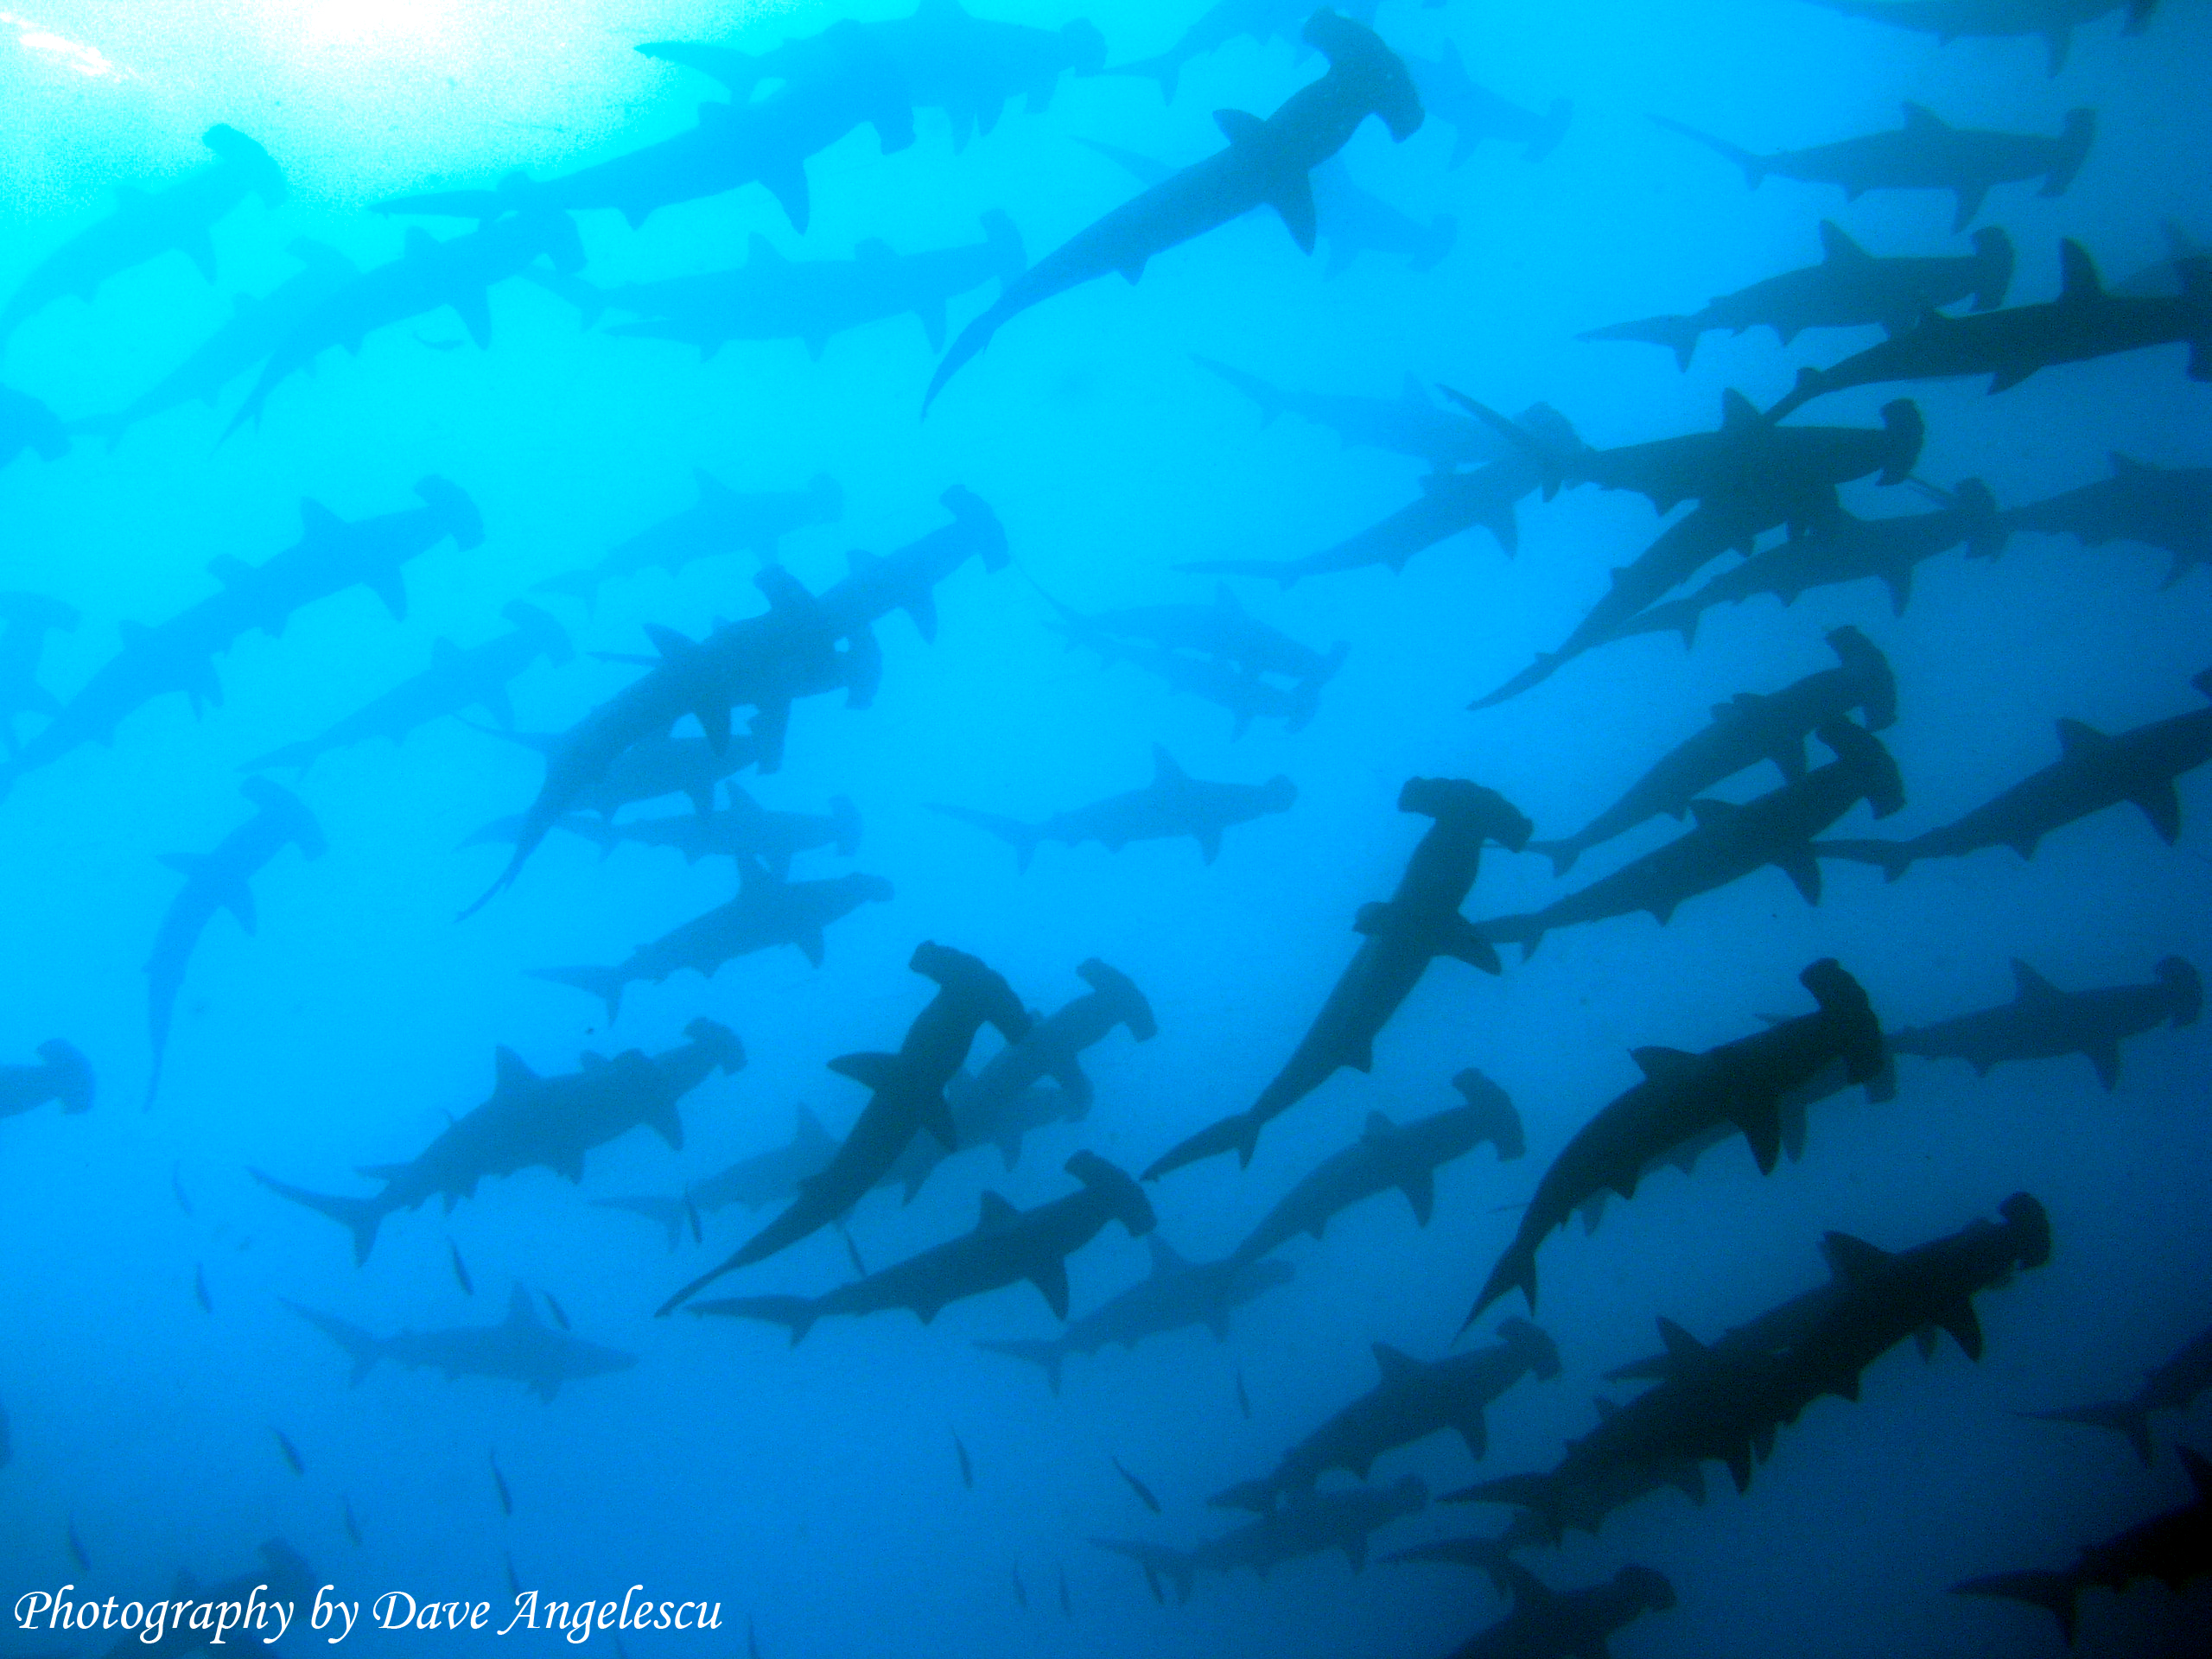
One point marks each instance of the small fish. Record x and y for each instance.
(506, 1498)
(176, 1188)
(697, 1237)
(560, 1317)
(461, 1269)
(291, 1452)
(1064, 1607)
(1020, 1592)
(1243, 1400)
(77, 1549)
(967, 1469)
(752, 1647)
(514, 1584)
(200, 1289)
(1137, 1487)
(853, 1250)
(352, 1527)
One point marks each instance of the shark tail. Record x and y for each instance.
(1284, 572)
(1562, 855)
(1754, 166)
(605, 984)
(798, 1313)
(1515, 1270)
(1497, 1120)
(2121, 1416)
(2053, 1592)
(1238, 1133)
(670, 1213)
(1022, 838)
(1258, 1495)
(1049, 1355)
(1443, 233)
(69, 1074)
(359, 1217)
(845, 818)
(1548, 138)
(1157, 1561)
(363, 1349)
(1271, 401)
(1537, 1350)
(1679, 335)
(1535, 674)
(1895, 857)
(2080, 132)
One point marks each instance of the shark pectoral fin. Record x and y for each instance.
(1762, 1127)
(1208, 845)
(869, 1070)
(388, 586)
(1970, 198)
(2005, 378)
(238, 900)
(473, 308)
(811, 946)
(2105, 1056)
(1052, 1280)
(511, 1072)
(1292, 200)
(1419, 1189)
(200, 248)
(937, 1117)
(931, 313)
(1462, 942)
(1965, 1328)
(2162, 807)
(1804, 870)
(1475, 1431)
(182, 863)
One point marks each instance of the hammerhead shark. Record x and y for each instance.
(1751, 728)
(1387, 1155)
(906, 1096)
(1549, 1623)
(1173, 805)
(1412, 1399)
(1729, 841)
(429, 275)
(456, 681)
(740, 830)
(256, 329)
(1223, 630)
(767, 911)
(521, 1348)
(2166, 507)
(1259, 20)
(1849, 289)
(1745, 1083)
(1312, 1522)
(1419, 923)
(146, 224)
(25, 621)
(2042, 1022)
(62, 1074)
(217, 880)
(720, 521)
(531, 1121)
(2083, 322)
(940, 58)
(1175, 1293)
(1926, 153)
(1845, 548)
(1006, 1247)
(773, 297)
(2093, 771)
(1265, 165)
(26, 424)
(1951, 20)
(1474, 112)
(1408, 424)
(2170, 1546)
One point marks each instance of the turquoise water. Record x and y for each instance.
(815, 1491)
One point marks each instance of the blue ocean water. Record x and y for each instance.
(888, 1487)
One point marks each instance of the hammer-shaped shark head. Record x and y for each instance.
(719, 1041)
(1645, 1588)
(1131, 1208)
(69, 1073)
(233, 148)
(551, 638)
(1085, 45)
(1128, 1003)
(1877, 687)
(299, 823)
(960, 974)
(1409, 1496)
(2184, 990)
(1358, 53)
(456, 513)
(2031, 1225)
(1456, 800)
(1873, 768)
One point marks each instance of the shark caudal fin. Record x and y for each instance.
(363, 1349)
(1003, 243)
(1895, 857)
(719, 1043)
(69, 1074)
(1754, 166)
(359, 1217)
(1993, 261)
(2184, 991)
(798, 1314)
(1678, 334)
(1515, 1270)
(1129, 1206)
(1987, 532)
(1546, 137)
(845, 825)
(2052, 1591)
(1238, 1133)
(455, 513)
(1024, 838)
(1121, 993)
(2123, 1417)
(671, 1215)
(1536, 1349)
(1157, 1560)
(2074, 142)
(605, 983)
(1495, 1121)
(1047, 1356)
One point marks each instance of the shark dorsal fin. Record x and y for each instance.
(1238, 126)
(1527, 1589)
(2199, 1472)
(1376, 1127)
(667, 641)
(1736, 409)
(510, 1071)
(995, 1213)
(2128, 466)
(1837, 248)
(1852, 1258)
(1395, 1363)
(2031, 986)
(2079, 737)
(806, 1128)
(760, 251)
(1711, 814)
(591, 1059)
(1164, 769)
(2078, 280)
(520, 1309)
(1679, 1343)
(1918, 118)
(317, 520)
(1166, 1258)
(1660, 1064)
(1226, 601)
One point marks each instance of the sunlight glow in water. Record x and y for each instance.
(72, 55)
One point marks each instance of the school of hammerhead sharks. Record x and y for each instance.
(1726, 1399)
